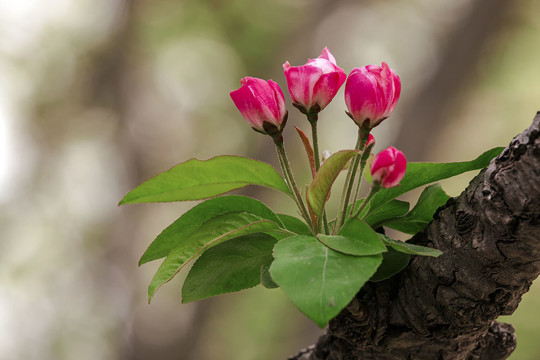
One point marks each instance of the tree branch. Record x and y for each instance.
(445, 308)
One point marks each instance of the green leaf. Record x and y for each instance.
(390, 210)
(266, 278)
(421, 215)
(407, 248)
(317, 279)
(202, 179)
(423, 173)
(355, 238)
(309, 150)
(231, 266)
(392, 263)
(294, 224)
(320, 186)
(216, 230)
(194, 219)
(358, 246)
(367, 173)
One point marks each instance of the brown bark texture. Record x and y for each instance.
(446, 307)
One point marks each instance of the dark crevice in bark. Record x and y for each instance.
(445, 307)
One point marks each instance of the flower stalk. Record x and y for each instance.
(365, 155)
(286, 167)
(363, 136)
(312, 118)
(374, 189)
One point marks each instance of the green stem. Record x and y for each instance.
(349, 180)
(365, 156)
(366, 201)
(285, 165)
(312, 118)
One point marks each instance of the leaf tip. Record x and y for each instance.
(321, 325)
(127, 199)
(436, 253)
(151, 292)
(144, 259)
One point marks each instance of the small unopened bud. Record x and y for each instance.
(371, 94)
(312, 86)
(262, 104)
(388, 167)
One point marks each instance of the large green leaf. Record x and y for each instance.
(408, 248)
(423, 173)
(202, 179)
(211, 233)
(194, 219)
(421, 215)
(355, 238)
(358, 246)
(392, 263)
(317, 279)
(294, 224)
(322, 183)
(390, 210)
(231, 266)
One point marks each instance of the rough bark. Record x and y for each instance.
(445, 307)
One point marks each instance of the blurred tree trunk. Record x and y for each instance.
(113, 79)
(445, 307)
(461, 56)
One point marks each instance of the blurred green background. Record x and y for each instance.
(98, 95)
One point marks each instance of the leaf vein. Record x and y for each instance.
(324, 279)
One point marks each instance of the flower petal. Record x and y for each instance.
(327, 87)
(300, 81)
(326, 54)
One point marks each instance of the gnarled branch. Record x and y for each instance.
(445, 308)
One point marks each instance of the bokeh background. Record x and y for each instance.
(97, 96)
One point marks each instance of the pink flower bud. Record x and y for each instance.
(371, 94)
(260, 101)
(370, 141)
(388, 167)
(312, 86)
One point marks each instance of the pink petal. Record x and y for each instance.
(326, 54)
(286, 66)
(301, 81)
(327, 87)
(323, 64)
(370, 141)
(249, 108)
(397, 91)
(361, 95)
(264, 96)
(387, 85)
(280, 109)
(384, 159)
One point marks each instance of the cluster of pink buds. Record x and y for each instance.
(371, 94)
